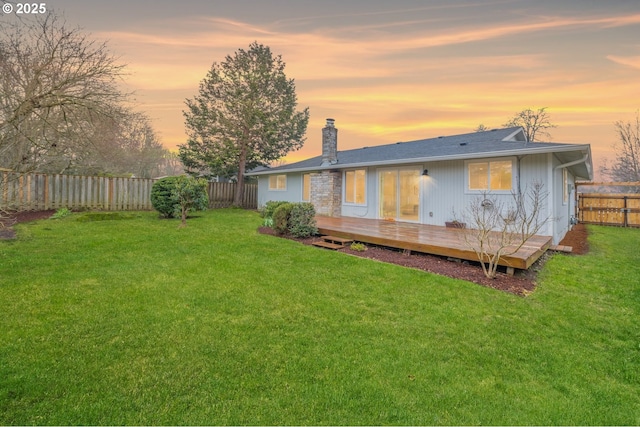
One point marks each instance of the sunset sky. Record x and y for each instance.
(390, 71)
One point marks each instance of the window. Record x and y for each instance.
(490, 175)
(355, 186)
(306, 187)
(278, 182)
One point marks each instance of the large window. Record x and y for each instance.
(494, 175)
(355, 186)
(278, 182)
(306, 187)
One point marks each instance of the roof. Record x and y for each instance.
(498, 142)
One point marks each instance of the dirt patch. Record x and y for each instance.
(7, 220)
(577, 239)
(521, 283)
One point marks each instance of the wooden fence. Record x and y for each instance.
(43, 192)
(221, 195)
(620, 209)
(609, 209)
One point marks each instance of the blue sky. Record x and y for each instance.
(390, 71)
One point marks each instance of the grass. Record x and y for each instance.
(142, 322)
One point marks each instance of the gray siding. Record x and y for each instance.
(293, 192)
(444, 194)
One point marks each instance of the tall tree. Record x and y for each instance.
(243, 116)
(626, 165)
(55, 83)
(535, 123)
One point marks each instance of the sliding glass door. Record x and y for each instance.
(400, 194)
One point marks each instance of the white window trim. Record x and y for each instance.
(278, 189)
(344, 187)
(467, 190)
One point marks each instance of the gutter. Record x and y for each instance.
(490, 154)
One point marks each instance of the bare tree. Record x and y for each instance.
(124, 144)
(170, 165)
(55, 83)
(496, 228)
(535, 123)
(626, 165)
(481, 128)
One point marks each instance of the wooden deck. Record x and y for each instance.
(428, 239)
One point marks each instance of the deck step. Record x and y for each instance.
(328, 245)
(561, 248)
(339, 240)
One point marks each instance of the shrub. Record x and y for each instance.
(269, 208)
(302, 220)
(162, 196)
(175, 196)
(358, 247)
(281, 218)
(190, 194)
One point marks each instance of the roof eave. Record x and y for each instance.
(531, 149)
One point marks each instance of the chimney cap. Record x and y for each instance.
(330, 122)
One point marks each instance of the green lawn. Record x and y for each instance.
(137, 321)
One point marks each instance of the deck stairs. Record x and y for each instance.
(332, 242)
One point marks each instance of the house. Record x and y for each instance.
(425, 181)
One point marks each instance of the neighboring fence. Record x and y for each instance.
(43, 192)
(620, 209)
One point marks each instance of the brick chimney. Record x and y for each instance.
(329, 144)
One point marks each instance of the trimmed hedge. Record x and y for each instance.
(162, 196)
(169, 195)
(281, 217)
(270, 207)
(298, 219)
(302, 220)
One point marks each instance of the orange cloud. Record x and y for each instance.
(630, 61)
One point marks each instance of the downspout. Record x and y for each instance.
(566, 165)
(575, 162)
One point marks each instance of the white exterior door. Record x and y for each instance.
(399, 194)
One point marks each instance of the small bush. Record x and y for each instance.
(302, 220)
(270, 207)
(281, 218)
(61, 213)
(163, 197)
(175, 196)
(358, 247)
(190, 195)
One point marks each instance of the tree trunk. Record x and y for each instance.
(239, 196)
(184, 217)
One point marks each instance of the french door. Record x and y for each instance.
(399, 194)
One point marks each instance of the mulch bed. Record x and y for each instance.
(521, 283)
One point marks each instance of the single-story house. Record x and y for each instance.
(426, 181)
